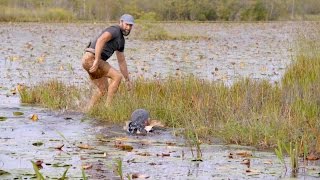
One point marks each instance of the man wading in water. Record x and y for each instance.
(94, 61)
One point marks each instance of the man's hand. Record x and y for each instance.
(94, 66)
(129, 85)
(105, 37)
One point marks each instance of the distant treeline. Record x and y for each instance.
(159, 10)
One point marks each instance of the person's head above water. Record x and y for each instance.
(139, 120)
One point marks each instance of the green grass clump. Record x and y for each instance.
(52, 94)
(249, 112)
(15, 14)
(57, 15)
(35, 15)
(156, 31)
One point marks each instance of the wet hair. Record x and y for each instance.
(139, 119)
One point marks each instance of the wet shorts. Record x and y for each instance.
(87, 62)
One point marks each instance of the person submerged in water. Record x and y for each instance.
(140, 118)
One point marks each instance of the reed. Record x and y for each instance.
(118, 168)
(39, 175)
(52, 94)
(36, 170)
(293, 150)
(280, 154)
(84, 177)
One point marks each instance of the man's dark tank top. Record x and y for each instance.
(115, 44)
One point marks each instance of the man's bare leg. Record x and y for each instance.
(104, 71)
(102, 86)
(115, 77)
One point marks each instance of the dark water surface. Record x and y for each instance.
(160, 155)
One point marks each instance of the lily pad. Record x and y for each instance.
(85, 146)
(2, 118)
(61, 165)
(2, 172)
(123, 147)
(37, 143)
(17, 113)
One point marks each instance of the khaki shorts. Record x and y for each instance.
(87, 62)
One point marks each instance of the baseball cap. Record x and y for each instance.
(127, 18)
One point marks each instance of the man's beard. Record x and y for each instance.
(125, 33)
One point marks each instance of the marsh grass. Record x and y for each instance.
(51, 94)
(35, 15)
(280, 154)
(249, 112)
(294, 151)
(84, 177)
(39, 176)
(155, 31)
(118, 168)
(193, 141)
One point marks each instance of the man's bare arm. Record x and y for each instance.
(105, 37)
(124, 68)
(123, 65)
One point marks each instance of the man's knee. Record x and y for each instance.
(118, 77)
(102, 92)
(115, 75)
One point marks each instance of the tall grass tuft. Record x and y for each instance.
(57, 15)
(118, 168)
(293, 151)
(51, 94)
(36, 170)
(35, 15)
(84, 177)
(155, 31)
(280, 154)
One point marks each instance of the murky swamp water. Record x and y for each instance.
(31, 53)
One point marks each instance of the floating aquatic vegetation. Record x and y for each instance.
(37, 143)
(17, 113)
(2, 172)
(85, 146)
(122, 146)
(2, 118)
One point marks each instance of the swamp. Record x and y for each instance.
(239, 100)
